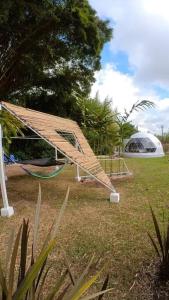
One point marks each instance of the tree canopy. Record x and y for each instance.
(49, 48)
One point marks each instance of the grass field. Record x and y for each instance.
(115, 232)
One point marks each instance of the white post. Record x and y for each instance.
(7, 210)
(78, 178)
(114, 197)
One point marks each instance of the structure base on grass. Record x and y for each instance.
(78, 178)
(7, 211)
(114, 197)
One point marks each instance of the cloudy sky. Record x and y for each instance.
(135, 64)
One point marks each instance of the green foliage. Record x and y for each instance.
(126, 129)
(48, 49)
(31, 149)
(103, 127)
(98, 124)
(27, 280)
(11, 127)
(161, 247)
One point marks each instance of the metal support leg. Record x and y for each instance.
(7, 210)
(78, 178)
(56, 157)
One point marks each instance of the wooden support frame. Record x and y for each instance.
(46, 127)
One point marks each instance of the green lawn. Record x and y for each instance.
(115, 232)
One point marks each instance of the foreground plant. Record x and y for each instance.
(161, 246)
(24, 276)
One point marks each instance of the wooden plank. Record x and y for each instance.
(28, 111)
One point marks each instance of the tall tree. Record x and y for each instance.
(49, 48)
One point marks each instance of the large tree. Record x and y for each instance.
(49, 49)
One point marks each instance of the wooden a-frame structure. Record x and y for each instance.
(49, 128)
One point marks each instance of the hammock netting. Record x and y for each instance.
(44, 176)
(41, 162)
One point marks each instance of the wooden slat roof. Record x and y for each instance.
(46, 125)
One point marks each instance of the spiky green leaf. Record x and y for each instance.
(33, 272)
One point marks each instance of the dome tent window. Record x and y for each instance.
(143, 145)
(140, 145)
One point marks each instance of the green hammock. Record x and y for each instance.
(44, 176)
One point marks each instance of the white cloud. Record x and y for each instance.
(124, 92)
(117, 86)
(141, 30)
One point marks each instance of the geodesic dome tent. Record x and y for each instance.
(143, 144)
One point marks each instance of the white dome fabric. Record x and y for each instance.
(143, 144)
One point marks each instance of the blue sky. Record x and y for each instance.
(135, 63)
(119, 59)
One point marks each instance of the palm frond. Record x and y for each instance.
(139, 105)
